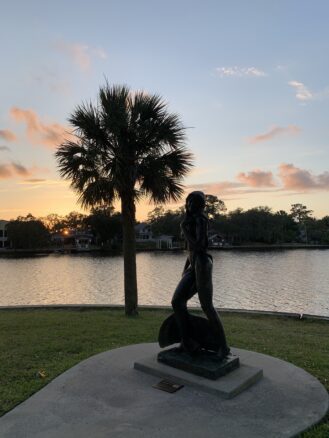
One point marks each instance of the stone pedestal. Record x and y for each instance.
(204, 363)
(228, 385)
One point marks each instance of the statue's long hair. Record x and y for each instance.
(199, 199)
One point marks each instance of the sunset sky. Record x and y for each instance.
(249, 78)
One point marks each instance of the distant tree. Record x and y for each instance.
(28, 218)
(106, 224)
(165, 222)
(155, 214)
(54, 222)
(300, 213)
(214, 207)
(302, 216)
(285, 228)
(27, 233)
(75, 220)
(233, 227)
(324, 225)
(258, 224)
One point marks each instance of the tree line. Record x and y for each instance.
(30, 232)
(258, 225)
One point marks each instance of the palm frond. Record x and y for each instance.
(160, 175)
(87, 124)
(97, 192)
(113, 110)
(152, 127)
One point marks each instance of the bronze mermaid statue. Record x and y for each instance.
(195, 333)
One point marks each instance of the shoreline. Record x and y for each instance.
(70, 251)
(81, 307)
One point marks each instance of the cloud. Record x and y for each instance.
(302, 93)
(221, 186)
(29, 184)
(7, 135)
(275, 132)
(280, 67)
(256, 181)
(224, 189)
(257, 178)
(43, 181)
(239, 72)
(294, 178)
(100, 53)
(4, 148)
(80, 54)
(38, 132)
(291, 179)
(14, 170)
(34, 180)
(20, 170)
(5, 171)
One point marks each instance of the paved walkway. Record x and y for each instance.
(104, 396)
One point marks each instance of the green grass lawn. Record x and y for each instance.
(51, 341)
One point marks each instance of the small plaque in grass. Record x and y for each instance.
(204, 363)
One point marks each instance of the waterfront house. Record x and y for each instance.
(164, 241)
(4, 243)
(143, 232)
(73, 240)
(216, 240)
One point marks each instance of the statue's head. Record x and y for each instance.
(195, 202)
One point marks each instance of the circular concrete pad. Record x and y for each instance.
(104, 396)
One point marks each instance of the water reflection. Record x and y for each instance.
(292, 281)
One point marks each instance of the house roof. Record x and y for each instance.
(3, 223)
(142, 226)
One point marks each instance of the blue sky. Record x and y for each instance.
(250, 79)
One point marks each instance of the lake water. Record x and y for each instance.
(287, 281)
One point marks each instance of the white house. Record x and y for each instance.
(4, 243)
(143, 232)
(164, 241)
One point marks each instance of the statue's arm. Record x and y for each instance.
(201, 230)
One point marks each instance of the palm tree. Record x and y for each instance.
(127, 146)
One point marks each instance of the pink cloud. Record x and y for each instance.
(80, 54)
(50, 135)
(275, 132)
(14, 170)
(257, 178)
(7, 135)
(223, 189)
(294, 178)
(77, 52)
(259, 181)
(215, 187)
(5, 171)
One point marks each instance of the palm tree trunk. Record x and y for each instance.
(129, 253)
